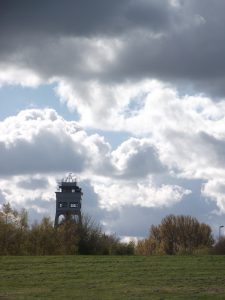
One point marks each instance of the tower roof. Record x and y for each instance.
(69, 181)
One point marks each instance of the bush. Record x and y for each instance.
(177, 235)
(219, 247)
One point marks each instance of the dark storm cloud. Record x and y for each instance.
(81, 17)
(191, 52)
(183, 44)
(28, 24)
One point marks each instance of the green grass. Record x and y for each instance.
(112, 277)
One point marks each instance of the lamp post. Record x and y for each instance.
(221, 226)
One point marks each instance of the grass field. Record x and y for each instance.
(112, 277)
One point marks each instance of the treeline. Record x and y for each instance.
(69, 238)
(178, 235)
(175, 235)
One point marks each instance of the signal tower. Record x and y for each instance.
(68, 199)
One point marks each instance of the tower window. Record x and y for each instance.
(73, 205)
(62, 204)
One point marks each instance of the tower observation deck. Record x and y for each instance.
(68, 199)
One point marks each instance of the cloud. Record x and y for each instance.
(40, 141)
(182, 44)
(31, 198)
(33, 183)
(187, 141)
(13, 75)
(103, 66)
(2, 198)
(83, 17)
(136, 158)
(214, 189)
(114, 194)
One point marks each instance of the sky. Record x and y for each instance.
(127, 95)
